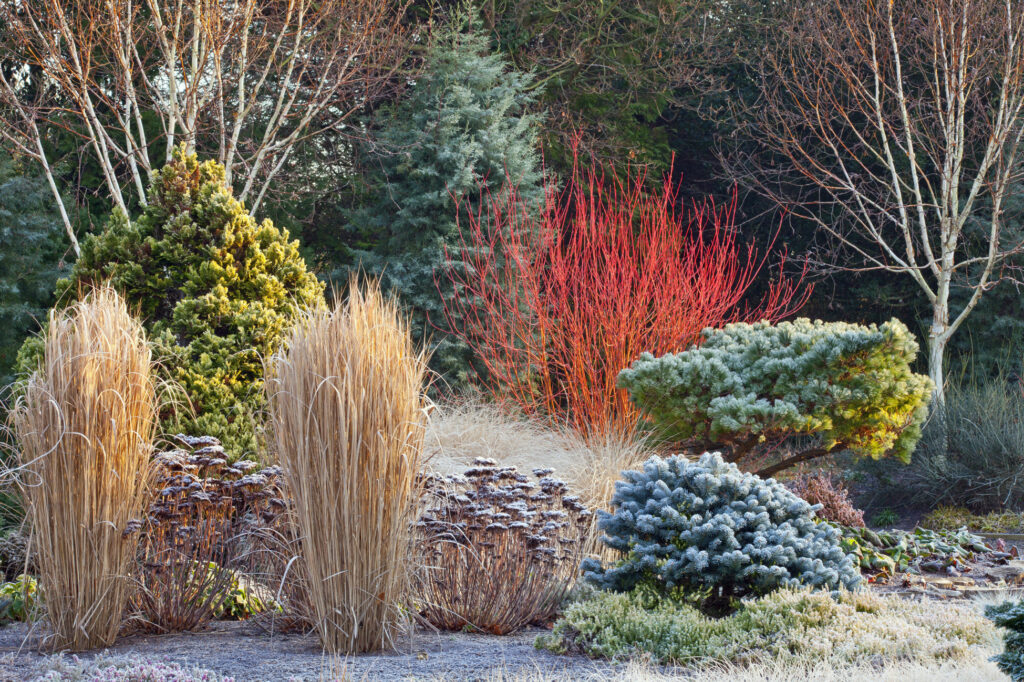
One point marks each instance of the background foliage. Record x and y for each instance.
(459, 140)
(32, 251)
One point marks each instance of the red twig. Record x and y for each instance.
(556, 302)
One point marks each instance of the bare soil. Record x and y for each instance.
(249, 653)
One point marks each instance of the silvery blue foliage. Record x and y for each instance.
(849, 386)
(683, 525)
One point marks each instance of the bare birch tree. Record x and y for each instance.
(242, 81)
(893, 125)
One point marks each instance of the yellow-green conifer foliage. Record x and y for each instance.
(813, 386)
(216, 290)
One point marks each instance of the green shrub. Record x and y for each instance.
(706, 527)
(18, 599)
(216, 290)
(954, 518)
(787, 627)
(843, 386)
(1010, 616)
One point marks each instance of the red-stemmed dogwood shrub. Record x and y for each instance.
(556, 301)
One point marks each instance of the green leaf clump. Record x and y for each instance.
(891, 551)
(848, 386)
(18, 599)
(216, 291)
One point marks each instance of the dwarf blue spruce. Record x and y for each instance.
(706, 527)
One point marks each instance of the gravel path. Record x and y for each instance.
(244, 652)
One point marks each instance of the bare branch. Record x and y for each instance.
(890, 124)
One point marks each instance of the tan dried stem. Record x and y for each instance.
(346, 412)
(85, 425)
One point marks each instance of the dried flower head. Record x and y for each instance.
(500, 550)
(202, 509)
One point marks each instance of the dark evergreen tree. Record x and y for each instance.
(992, 341)
(32, 248)
(459, 139)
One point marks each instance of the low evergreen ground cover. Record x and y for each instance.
(786, 627)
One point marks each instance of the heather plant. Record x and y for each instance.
(832, 496)
(216, 290)
(499, 551)
(1010, 617)
(787, 627)
(121, 668)
(705, 528)
(85, 424)
(194, 537)
(814, 387)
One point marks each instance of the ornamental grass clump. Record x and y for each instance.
(500, 551)
(705, 528)
(195, 534)
(346, 414)
(85, 424)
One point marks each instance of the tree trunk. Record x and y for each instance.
(805, 456)
(938, 337)
(936, 353)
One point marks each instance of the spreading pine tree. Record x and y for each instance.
(462, 137)
(216, 291)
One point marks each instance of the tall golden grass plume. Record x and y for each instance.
(85, 426)
(346, 420)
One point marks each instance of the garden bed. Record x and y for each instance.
(981, 576)
(245, 651)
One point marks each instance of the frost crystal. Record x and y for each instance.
(697, 525)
